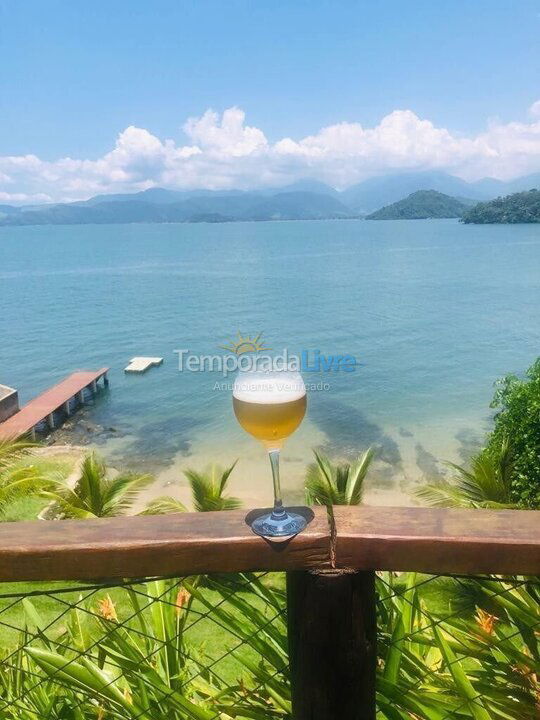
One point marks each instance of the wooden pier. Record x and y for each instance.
(63, 396)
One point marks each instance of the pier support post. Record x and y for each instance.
(67, 408)
(50, 421)
(94, 386)
(80, 396)
(332, 644)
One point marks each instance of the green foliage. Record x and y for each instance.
(96, 493)
(476, 663)
(522, 207)
(140, 658)
(518, 420)
(17, 481)
(142, 661)
(11, 451)
(337, 484)
(420, 205)
(207, 489)
(487, 484)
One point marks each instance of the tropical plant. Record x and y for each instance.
(16, 480)
(330, 484)
(518, 419)
(458, 662)
(487, 484)
(138, 656)
(140, 667)
(96, 492)
(252, 610)
(207, 490)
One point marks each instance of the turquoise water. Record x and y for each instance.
(434, 311)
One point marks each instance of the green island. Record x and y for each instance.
(421, 205)
(521, 207)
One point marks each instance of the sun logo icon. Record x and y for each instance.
(245, 344)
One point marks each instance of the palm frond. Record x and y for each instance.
(358, 475)
(342, 479)
(65, 508)
(228, 503)
(121, 492)
(12, 450)
(199, 489)
(225, 476)
(207, 489)
(58, 486)
(95, 493)
(19, 483)
(330, 484)
(89, 486)
(441, 495)
(320, 487)
(486, 484)
(163, 505)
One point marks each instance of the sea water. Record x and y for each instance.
(432, 311)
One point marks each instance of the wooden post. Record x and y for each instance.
(332, 644)
(67, 408)
(50, 421)
(80, 395)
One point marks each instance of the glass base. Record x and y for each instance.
(279, 524)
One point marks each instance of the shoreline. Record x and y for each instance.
(251, 479)
(408, 458)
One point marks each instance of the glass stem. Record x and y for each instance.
(278, 510)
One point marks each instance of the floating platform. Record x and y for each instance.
(42, 408)
(142, 364)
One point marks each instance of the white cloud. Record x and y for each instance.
(224, 152)
(534, 110)
(348, 152)
(230, 137)
(23, 198)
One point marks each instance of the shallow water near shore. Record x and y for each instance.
(434, 312)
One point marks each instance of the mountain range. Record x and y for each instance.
(303, 200)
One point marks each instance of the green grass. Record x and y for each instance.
(26, 508)
(209, 638)
(61, 464)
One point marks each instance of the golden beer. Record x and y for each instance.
(270, 423)
(270, 409)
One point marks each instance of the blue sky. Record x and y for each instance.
(74, 75)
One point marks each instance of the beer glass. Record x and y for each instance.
(270, 406)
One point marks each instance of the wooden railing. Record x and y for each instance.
(330, 566)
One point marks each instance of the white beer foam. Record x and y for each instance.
(269, 390)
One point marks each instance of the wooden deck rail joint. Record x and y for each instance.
(433, 541)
